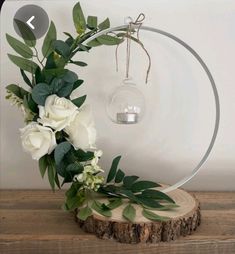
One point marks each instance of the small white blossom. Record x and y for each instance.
(97, 155)
(89, 179)
(14, 100)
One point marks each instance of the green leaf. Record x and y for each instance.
(39, 76)
(43, 165)
(78, 83)
(97, 206)
(31, 103)
(40, 92)
(142, 185)
(105, 24)
(129, 213)
(156, 194)
(51, 175)
(79, 101)
(70, 76)
(84, 213)
(50, 37)
(24, 64)
(94, 43)
(72, 191)
(26, 33)
(92, 22)
(75, 168)
(83, 156)
(114, 203)
(109, 40)
(154, 217)
(129, 180)
(119, 176)
(60, 151)
(79, 63)
(25, 78)
(75, 202)
(152, 203)
(129, 194)
(17, 90)
(79, 19)
(57, 181)
(19, 47)
(61, 48)
(113, 169)
(163, 208)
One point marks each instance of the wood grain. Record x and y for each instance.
(32, 222)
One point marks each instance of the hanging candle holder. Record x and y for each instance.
(126, 104)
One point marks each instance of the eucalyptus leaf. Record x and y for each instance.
(129, 213)
(79, 19)
(60, 151)
(154, 217)
(109, 40)
(17, 90)
(26, 33)
(94, 43)
(77, 83)
(105, 24)
(50, 37)
(97, 206)
(61, 48)
(24, 64)
(70, 76)
(75, 168)
(113, 169)
(19, 47)
(84, 213)
(25, 78)
(79, 63)
(40, 92)
(92, 22)
(79, 101)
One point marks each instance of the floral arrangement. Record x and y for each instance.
(60, 131)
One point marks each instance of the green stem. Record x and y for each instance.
(40, 61)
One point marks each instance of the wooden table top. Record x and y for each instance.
(31, 221)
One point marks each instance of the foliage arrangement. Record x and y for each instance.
(60, 131)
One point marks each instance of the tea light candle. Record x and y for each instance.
(127, 118)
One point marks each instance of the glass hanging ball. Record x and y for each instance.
(126, 104)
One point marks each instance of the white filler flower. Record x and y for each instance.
(57, 112)
(37, 140)
(82, 132)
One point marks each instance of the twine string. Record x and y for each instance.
(137, 23)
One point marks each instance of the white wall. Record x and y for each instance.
(180, 115)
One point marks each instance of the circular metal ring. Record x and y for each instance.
(213, 86)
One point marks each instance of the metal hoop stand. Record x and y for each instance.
(213, 86)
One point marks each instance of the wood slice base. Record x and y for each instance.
(183, 221)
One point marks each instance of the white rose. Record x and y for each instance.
(57, 112)
(82, 132)
(37, 140)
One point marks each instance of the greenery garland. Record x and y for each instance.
(60, 131)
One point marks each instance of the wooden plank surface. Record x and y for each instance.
(32, 222)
